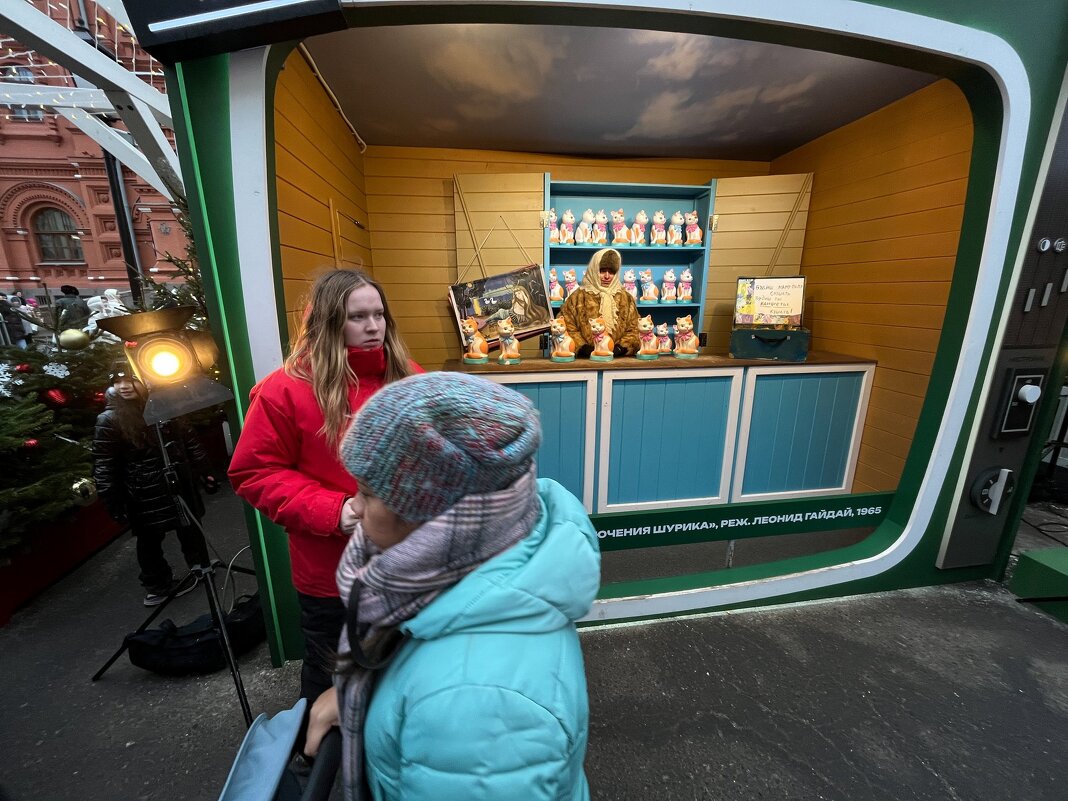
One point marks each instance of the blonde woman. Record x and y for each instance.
(286, 461)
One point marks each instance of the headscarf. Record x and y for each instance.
(591, 282)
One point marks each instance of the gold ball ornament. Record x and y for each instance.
(84, 491)
(73, 339)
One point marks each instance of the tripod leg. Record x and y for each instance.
(148, 622)
(207, 579)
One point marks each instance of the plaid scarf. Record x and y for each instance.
(383, 589)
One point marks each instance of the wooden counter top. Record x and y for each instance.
(544, 365)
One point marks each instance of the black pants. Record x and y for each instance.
(155, 571)
(321, 620)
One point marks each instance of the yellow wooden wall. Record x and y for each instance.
(413, 225)
(760, 230)
(883, 225)
(320, 183)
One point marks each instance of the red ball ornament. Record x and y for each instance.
(56, 397)
(98, 397)
(30, 443)
(130, 344)
(23, 368)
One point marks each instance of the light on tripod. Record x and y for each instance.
(169, 360)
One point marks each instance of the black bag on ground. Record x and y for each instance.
(196, 648)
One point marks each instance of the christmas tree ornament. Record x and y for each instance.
(99, 396)
(84, 491)
(73, 339)
(30, 444)
(23, 368)
(57, 370)
(56, 397)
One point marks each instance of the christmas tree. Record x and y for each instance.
(49, 401)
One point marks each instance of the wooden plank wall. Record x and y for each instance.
(495, 204)
(412, 211)
(320, 182)
(884, 221)
(760, 231)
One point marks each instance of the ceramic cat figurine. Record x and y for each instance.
(620, 232)
(567, 228)
(570, 283)
(663, 340)
(600, 228)
(650, 348)
(637, 231)
(650, 294)
(668, 293)
(686, 286)
(685, 339)
(630, 284)
(584, 230)
(563, 346)
(693, 230)
(674, 231)
(658, 235)
(509, 344)
(556, 291)
(554, 230)
(476, 349)
(602, 341)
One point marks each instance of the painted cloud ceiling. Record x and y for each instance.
(596, 91)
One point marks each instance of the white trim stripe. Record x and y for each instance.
(248, 143)
(225, 13)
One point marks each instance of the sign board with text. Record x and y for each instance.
(770, 301)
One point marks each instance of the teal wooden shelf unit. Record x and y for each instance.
(632, 198)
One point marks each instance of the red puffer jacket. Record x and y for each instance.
(283, 467)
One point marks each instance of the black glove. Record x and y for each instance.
(584, 351)
(619, 351)
(211, 485)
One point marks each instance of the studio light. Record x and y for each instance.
(169, 360)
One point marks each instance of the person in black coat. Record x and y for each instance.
(129, 472)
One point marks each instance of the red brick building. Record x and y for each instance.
(58, 219)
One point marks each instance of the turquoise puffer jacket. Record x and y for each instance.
(488, 698)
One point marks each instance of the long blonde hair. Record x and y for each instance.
(320, 356)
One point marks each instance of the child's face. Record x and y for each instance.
(126, 388)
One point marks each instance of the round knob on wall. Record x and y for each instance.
(1029, 393)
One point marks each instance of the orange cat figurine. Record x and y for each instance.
(602, 341)
(509, 344)
(476, 349)
(620, 232)
(563, 346)
(685, 339)
(650, 347)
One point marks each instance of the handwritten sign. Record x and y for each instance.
(770, 301)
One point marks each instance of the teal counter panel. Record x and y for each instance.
(567, 405)
(666, 438)
(800, 431)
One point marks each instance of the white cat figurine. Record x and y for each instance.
(668, 293)
(674, 231)
(686, 286)
(630, 284)
(649, 347)
(650, 294)
(637, 231)
(663, 340)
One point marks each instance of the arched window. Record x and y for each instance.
(17, 74)
(57, 236)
